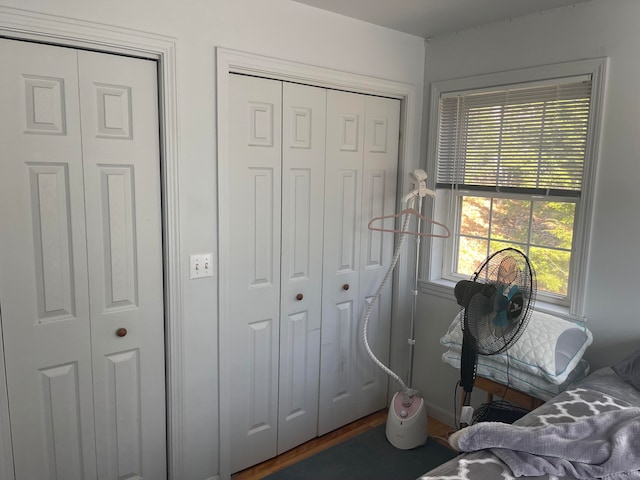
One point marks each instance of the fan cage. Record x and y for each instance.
(501, 307)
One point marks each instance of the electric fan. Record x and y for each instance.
(497, 303)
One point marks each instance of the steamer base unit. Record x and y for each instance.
(407, 425)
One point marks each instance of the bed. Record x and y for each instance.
(602, 411)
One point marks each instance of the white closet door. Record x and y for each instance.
(119, 105)
(303, 119)
(70, 378)
(362, 156)
(254, 245)
(342, 232)
(382, 131)
(43, 264)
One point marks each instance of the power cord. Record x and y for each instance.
(497, 410)
(508, 384)
(455, 404)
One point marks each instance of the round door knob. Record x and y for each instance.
(299, 296)
(345, 286)
(121, 332)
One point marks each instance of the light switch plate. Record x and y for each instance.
(200, 265)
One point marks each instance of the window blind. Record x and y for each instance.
(529, 139)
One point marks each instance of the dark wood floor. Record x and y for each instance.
(436, 430)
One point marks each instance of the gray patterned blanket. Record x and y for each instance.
(601, 392)
(606, 445)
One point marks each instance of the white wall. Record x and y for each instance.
(601, 28)
(276, 28)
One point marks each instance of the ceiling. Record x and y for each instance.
(428, 18)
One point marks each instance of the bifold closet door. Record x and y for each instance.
(303, 155)
(44, 289)
(121, 160)
(380, 171)
(255, 150)
(361, 166)
(275, 240)
(81, 258)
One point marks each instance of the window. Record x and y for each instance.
(513, 169)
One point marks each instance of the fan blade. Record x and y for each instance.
(507, 307)
(480, 305)
(507, 270)
(500, 302)
(480, 308)
(513, 291)
(501, 319)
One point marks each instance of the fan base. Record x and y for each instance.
(407, 426)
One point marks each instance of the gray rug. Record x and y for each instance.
(368, 456)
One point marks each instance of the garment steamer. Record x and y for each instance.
(407, 419)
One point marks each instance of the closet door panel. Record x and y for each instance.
(382, 130)
(362, 158)
(343, 205)
(253, 322)
(372, 385)
(118, 98)
(303, 153)
(43, 264)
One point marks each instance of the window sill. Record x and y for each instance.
(444, 289)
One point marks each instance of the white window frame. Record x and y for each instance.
(435, 277)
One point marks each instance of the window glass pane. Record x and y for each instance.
(551, 234)
(494, 246)
(474, 220)
(552, 269)
(553, 224)
(471, 253)
(510, 220)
